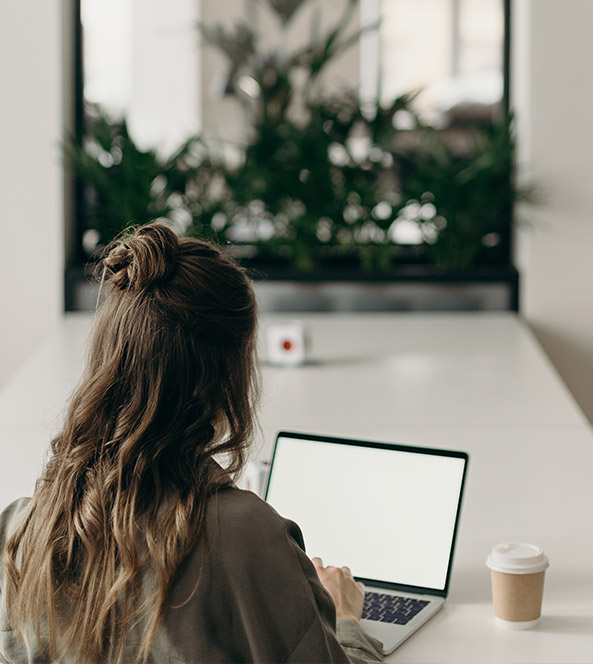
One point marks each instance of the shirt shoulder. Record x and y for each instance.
(242, 516)
(11, 518)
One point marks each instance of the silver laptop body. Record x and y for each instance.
(390, 512)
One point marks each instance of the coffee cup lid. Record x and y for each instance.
(517, 558)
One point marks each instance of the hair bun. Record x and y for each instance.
(143, 258)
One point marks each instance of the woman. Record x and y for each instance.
(136, 546)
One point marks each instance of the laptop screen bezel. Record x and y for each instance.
(396, 447)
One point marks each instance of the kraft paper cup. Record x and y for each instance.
(517, 572)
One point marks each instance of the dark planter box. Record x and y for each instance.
(343, 287)
(405, 288)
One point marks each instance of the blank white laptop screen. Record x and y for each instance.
(387, 514)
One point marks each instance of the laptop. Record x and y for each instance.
(390, 512)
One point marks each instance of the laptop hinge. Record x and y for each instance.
(400, 587)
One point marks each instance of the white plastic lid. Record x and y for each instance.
(517, 558)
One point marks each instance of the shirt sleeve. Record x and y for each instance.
(12, 649)
(344, 640)
(260, 598)
(360, 647)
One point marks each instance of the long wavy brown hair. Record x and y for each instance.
(161, 420)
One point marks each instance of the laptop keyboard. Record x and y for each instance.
(391, 608)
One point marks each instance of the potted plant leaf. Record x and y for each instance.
(462, 191)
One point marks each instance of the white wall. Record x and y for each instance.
(31, 219)
(554, 98)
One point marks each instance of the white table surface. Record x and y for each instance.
(474, 381)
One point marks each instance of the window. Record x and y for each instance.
(140, 59)
(142, 62)
(451, 52)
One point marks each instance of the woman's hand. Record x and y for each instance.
(348, 594)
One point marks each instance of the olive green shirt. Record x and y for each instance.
(258, 600)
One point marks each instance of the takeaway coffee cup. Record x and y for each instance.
(517, 572)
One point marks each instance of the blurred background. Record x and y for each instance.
(390, 143)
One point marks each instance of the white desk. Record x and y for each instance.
(477, 382)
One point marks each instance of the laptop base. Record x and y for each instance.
(391, 635)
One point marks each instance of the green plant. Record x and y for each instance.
(460, 191)
(314, 168)
(319, 176)
(305, 191)
(126, 185)
(328, 176)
